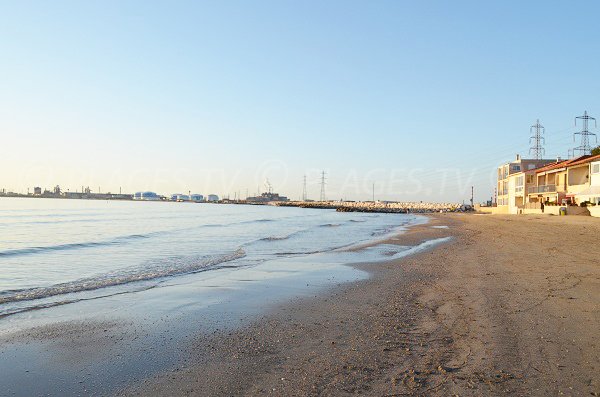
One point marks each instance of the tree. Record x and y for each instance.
(596, 151)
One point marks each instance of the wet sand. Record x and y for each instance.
(510, 306)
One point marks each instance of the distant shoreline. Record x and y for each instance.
(340, 206)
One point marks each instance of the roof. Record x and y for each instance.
(568, 163)
(553, 166)
(585, 160)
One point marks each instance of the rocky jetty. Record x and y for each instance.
(385, 207)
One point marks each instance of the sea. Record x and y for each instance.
(100, 295)
(57, 251)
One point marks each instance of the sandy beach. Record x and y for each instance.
(511, 305)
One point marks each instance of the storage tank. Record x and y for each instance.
(197, 197)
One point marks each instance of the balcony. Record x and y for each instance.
(574, 189)
(542, 189)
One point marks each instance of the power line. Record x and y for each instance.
(537, 150)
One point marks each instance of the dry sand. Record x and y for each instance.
(510, 306)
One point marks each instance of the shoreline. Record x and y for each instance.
(489, 312)
(477, 316)
(243, 354)
(102, 343)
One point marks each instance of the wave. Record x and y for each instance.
(175, 267)
(114, 241)
(331, 225)
(291, 253)
(384, 231)
(71, 246)
(284, 237)
(276, 238)
(253, 221)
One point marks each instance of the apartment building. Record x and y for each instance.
(514, 178)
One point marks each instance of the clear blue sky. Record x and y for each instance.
(214, 97)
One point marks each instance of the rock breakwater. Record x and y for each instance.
(384, 207)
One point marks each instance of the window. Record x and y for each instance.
(596, 168)
(515, 167)
(530, 166)
(519, 181)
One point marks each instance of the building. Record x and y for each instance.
(266, 197)
(37, 191)
(510, 187)
(184, 197)
(146, 196)
(592, 192)
(564, 182)
(518, 185)
(121, 196)
(197, 198)
(551, 183)
(212, 197)
(579, 178)
(73, 195)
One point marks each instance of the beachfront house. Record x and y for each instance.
(518, 185)
(550, 184)
(566, 183)
(592, 192)
(514, 178)
(583, 180)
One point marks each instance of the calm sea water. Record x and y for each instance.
(57, 251)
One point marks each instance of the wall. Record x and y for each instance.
(595, 178)
(500, 210)
(492, 210)
(571, 210)
(531, 211)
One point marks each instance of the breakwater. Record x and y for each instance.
(365, 206)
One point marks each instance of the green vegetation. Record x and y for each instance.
(596, 151)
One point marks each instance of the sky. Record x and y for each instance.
(399, 100)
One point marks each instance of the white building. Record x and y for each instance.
(147, 196)
(212, 197)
